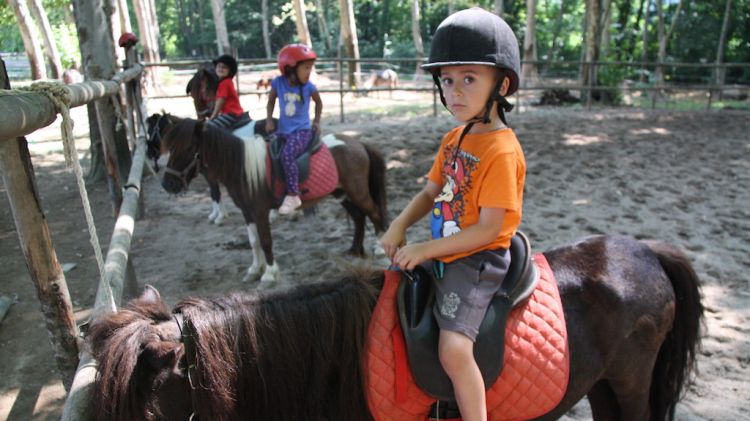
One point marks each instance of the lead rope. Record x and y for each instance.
(59, 95)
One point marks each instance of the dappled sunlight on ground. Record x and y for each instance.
(575, 139)
(651, 130)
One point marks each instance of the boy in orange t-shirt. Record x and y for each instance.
(474, 190)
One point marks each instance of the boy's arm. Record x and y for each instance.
(483, 232)
(217, 108)
(318, 110)
(418, 207)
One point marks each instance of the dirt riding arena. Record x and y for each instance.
(682, 177)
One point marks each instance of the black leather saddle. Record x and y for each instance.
(276, 145)
(416, 298)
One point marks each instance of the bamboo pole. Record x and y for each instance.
(25, 112)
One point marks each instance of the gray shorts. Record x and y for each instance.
(465, 289)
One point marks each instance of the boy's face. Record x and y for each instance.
(467, 87)
(222, 70)
(304, 70)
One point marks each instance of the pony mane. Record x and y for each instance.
(243, 342)
(225, 156)
(116, 344)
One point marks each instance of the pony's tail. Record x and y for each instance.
(676, 359)
(376, 183)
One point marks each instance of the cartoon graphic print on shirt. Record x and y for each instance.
(291, 99)
(449, 204)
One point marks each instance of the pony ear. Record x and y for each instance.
(150, 295)
(160, 354)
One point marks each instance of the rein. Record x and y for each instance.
(188, 341)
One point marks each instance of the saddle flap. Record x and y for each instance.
(415, 300)
(276, 146)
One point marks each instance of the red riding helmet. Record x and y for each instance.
(293, 54)
(127, 39)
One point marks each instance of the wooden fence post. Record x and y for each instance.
(41, 259)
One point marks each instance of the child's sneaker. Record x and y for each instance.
(289, 204)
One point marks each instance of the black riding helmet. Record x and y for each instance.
(476, 36)
(229, 61)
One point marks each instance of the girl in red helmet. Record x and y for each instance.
(227, 109)
(294, 91)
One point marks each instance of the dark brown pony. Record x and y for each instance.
(239, 165)
(202, 88)
(632, 308)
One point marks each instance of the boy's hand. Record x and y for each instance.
(392, 240)
(410, 255)
(269, 125)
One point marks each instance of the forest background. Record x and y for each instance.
(714, 31)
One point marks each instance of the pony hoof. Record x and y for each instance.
(212, 216)
(252, 275)
(219, 219)
(268, 278)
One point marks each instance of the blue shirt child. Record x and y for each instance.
(294, 113)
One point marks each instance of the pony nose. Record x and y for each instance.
(171, 184)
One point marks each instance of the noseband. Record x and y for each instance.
(182, 175)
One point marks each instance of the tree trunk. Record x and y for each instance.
(323, 25)
(644, 52)
(50, 48)
(97, 50)
(593, 30)
(721, 72)
(530, 71)
(664, 38)
(554, 48)
(124, 16)
(266, 32)
(604, 23)
(300, 19)
(416, 34)
(451, 7)
(499, 8)
(349, 39)
(149, 40)
(220, 21)
(30, 38)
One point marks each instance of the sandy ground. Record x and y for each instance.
(678, 177)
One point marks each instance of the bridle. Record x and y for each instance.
(187, 337)
(183, 175)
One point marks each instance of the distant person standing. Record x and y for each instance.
(227, 109)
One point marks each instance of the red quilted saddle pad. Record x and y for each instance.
(535, 372)
(323, 178)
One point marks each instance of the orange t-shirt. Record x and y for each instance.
(231, 99)
(489, 171)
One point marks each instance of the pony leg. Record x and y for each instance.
(357, 248)
(272, 272)
(258, 266)
(218, 210)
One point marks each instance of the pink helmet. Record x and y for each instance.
(293, 54)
